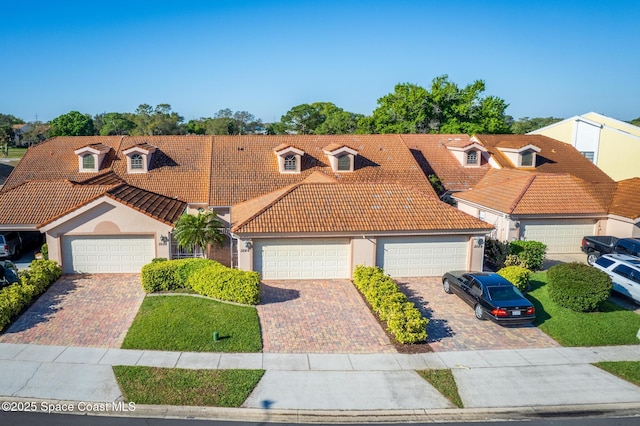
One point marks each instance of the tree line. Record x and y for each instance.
(444, 107)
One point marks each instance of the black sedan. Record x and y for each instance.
(492, 296)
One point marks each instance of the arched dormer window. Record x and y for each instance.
(88, 162)
(137, 162)
(344, 163)
(290, 163)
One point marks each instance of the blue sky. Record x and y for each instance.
(545, 58)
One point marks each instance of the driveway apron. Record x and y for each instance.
(81, 310)
(318, 316)
(454, 327)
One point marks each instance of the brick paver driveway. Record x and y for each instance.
(454, 327)
(81, 310)
(318, 316)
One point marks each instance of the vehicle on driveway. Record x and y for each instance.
(492, 296)
(13, 243)
(8, 273)
(596, 246)
(624, 271)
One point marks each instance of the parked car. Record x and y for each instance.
(624, 271)
(8, 273)
(492, 296)
(596, 246)
(13, 243)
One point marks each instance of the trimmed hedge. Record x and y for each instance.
(516, 275)
(528, 254)
(578, 287)
(404, 320)
(33, 282)
(204, 276)
(224, 283)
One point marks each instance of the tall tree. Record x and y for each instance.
(198, 231)
(635, 121)
(445, 108)
(303, 119)
(115, 123)
(157, 121)
(72, 124)
(526, 124)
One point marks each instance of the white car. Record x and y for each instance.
(624, 271)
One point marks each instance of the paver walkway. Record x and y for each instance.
(81, 310)
(454, 327)
(318, 316)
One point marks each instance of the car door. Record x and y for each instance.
(634, 285)
(622, 280)
(470, 288)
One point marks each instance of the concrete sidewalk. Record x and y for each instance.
(344, 382)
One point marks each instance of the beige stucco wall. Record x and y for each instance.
(106, 217)
(621, 228)
(363, 252)
(562, 131)
(618, 154)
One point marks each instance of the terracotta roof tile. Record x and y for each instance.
(525, 193)
(433, 156)
(162, 208)
(626, 202)
(244, 167)
(351, 208)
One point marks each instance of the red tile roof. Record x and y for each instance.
(626, 202)
(351, 208)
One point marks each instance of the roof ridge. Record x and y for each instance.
(267, 206)
(515, 203)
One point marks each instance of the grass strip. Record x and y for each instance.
(179, 386)
(442, 380)
(187, 324)
(627, 370)
(613, 325)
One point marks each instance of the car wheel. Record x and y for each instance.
(479, 312)
(446, 285)
(592, 257)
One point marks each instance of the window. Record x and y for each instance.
(136, 162)
(290, 163)
(88, 162)
(472, 157)
(604, 262)
(625, 271)
(481, 214)
(344, 163)
(475, 289)
(527, 159)
(590, 155)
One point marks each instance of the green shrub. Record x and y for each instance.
(529, 254)
(33, 282)
(45, 251)
(516, 275)
(404, 320)
(578, 287)
(164, 275)
(495, 253)
(226, 284)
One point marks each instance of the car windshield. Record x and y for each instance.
(504, 292)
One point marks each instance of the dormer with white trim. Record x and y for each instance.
(139, 158)
(341, 157)
(522, 157)
(468, 153)
(289, 158)
(90, 157)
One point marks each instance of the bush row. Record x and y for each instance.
(204, 276)
(33, 282)
(527, 254)
(516, 275)
(403, 319)
(578, 287)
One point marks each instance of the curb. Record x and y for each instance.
(324, 416)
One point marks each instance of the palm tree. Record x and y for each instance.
(198, 231)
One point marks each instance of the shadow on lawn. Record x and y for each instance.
(269, 294)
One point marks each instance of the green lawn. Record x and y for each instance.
(444, 383)
(628, 370)
(613, 326)
(187, 323)
(14, 153)
(178, 386)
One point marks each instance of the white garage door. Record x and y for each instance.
(102, 254)
(560, 236)
(421, 257)
(302, 259)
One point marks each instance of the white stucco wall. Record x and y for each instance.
(106, 217)
(363, 252)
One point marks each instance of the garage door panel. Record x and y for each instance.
(424, 256)
(558, 235)
(299, 259)
(102, 254)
